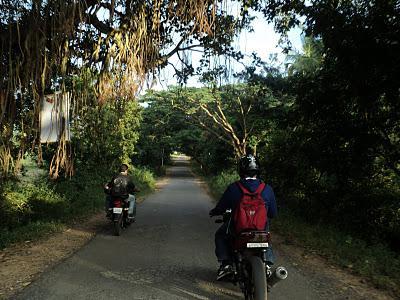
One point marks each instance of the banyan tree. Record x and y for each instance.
(113, 46)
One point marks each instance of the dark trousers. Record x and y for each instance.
(223, 249)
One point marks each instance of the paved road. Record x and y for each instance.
(167, 254)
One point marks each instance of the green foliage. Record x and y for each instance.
(45, 203)
(13, 207)
(375, 261)
(21, 204)
(220, 182)
(310, 60)
(335, 154)
(143, 179)
(160, 123)
(129, 130)
(107, 133)
(84, 191)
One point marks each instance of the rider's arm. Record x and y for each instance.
(226, 201)
(108, 185)
(269, 197)
(131, 186)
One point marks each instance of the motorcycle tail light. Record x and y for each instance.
(117, 203)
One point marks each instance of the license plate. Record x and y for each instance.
(117, 210)
(257, 245)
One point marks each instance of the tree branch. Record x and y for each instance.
(191, 47)
(102, 27)
(178, 48)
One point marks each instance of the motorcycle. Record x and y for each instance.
(251, 270)
(118, 212)
(119, 215)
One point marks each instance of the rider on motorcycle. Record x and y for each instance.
(249, 171)
(121, 186)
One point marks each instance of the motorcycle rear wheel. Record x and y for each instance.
(118, 226)
(258, 280)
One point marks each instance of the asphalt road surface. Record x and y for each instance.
(167, 254)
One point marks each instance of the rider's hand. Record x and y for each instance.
(107, 188)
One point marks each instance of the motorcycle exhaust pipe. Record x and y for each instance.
(280, 273)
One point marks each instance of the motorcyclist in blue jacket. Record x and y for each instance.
(249, 171)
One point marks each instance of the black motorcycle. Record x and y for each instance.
(118, 212)
(250, 266)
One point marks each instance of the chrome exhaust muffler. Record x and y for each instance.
(277, 275)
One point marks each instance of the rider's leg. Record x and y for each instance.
(270, 256)
(107, 204)
(270, 252)
(222, 245)
(223, 252)
(132, 206)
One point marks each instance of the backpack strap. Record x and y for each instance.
(242, 187)
(260, 188)
(244, 190)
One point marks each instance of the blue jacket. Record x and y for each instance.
(233, 194)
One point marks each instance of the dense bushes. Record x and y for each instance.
(21, 204)
(373, 260)
(220, 182)
(320, 186)
(143, 179)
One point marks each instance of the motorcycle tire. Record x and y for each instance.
(118, 226)
(259, 278)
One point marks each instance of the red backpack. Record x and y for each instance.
(251, 213)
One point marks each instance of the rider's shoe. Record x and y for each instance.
(224, 271)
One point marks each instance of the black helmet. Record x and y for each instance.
(123, 168)
(248, 166)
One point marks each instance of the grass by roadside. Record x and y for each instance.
(29, 232)
(377, 263)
